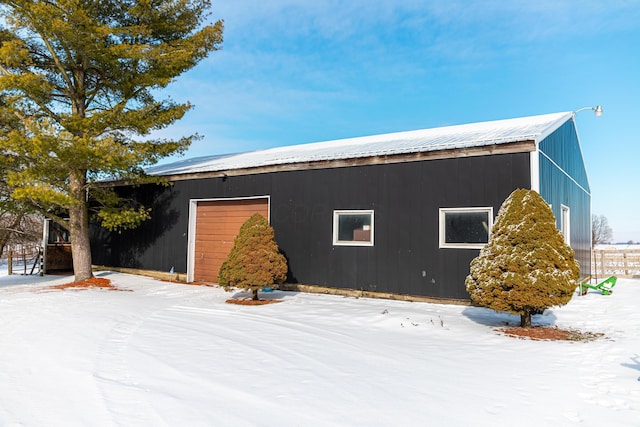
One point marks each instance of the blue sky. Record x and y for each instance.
(297, 71)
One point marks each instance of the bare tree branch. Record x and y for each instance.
(601, 232)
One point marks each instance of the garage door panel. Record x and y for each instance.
(223, 224)
(210, 270)
(234, 206)
(206, 250)
(217, 224)
(211, 252)
(216, 237)
(233, 212)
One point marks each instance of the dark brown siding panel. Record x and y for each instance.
(157, 244)
(405, 197)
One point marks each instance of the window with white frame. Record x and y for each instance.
(353, 227)
(468, 228)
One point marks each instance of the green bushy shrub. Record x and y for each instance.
(254, 260)
(526, 267)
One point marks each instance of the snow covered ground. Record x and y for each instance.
(166, 354)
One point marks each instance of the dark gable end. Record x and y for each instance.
(563, 148)
(565, 186)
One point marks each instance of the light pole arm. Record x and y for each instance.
(597, 110)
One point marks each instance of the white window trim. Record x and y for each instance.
(441, 228)
(565, 223)
(337, 213)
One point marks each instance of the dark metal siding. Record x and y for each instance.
(563, 147)
(157, 244)
(563, 181)
(405, 198)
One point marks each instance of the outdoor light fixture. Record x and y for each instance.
(597, 110)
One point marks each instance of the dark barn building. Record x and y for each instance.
(400, 213)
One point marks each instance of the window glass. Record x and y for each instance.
(57, 234)
(353, 228)
(465, 227)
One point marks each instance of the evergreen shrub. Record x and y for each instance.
(254, 260)
(526, 266)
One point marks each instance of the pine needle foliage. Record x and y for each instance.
(79, 102)
(526, 266)
(254, 260)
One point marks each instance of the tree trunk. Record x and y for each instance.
(525, 320)
(79, 229)
(255, 294)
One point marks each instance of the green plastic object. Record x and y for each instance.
(606, 286)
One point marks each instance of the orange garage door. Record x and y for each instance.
(217, 224)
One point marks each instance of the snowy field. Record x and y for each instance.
(166, 354)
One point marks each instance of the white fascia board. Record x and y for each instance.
(534, 159)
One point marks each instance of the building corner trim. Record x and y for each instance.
(534, 159)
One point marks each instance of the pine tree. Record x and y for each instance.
(254, 260)
(78, 87)
(526, 267)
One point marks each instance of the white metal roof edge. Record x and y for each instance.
(563, 117)
(406, 142)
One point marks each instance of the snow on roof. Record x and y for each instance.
(534, 128)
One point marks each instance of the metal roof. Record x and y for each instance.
(534, 128)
